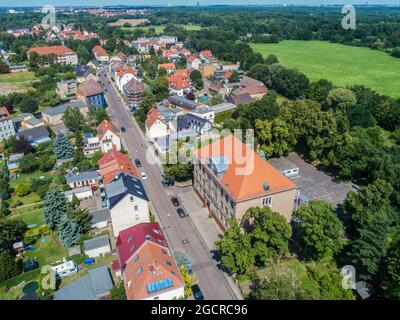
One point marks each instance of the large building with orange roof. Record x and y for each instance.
(112, 163)
(231, 178)
(64, 55)
(147, 265)
(100, 54)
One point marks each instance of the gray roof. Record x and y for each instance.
(222, 107)
(282, 164)
(34, 121)
(183, 102)
(20, 117)
(62, 107)
(96, 283)
(95, 243)
(81, 176)
(99, 215)
(77, 191)
(34, 133)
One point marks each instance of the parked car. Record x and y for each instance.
(138, 163)
(181, 212)
(123, 129)
(144, 145)
(166, 182)
(143, 175)
(31, 265)
(175, 201)
(198, 295)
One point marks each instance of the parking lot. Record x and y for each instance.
(315, 184)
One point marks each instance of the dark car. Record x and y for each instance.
(123, 129)
(181, 212)
(31, 265)
(138, 163)
(175, 201)
(198, 295)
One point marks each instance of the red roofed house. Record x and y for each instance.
(169, 67)
(123, 75)
(147, 265)
(193, 62)
(100, 54)
(155, 125)
(255, 88)
(91, 93)
(113, 163)
(179, 84)
(64, 55)
(108, 136)
(231, 178)
(206, 54)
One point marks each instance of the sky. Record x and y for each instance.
(16, 3)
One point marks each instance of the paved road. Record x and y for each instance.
(178, 230)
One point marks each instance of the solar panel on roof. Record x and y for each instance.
(159, 285)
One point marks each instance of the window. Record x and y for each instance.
(136, 258)
(168, 263)
(267, 202)
(140, 270)
(131, 198)
(164, 251)
(136, 208)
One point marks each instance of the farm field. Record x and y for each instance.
(160, 28)
(343, 65)
(132, 22)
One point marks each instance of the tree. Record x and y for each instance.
(392, 269)
(370, 204)
(319, 90)
(27, 163)
(69, 231)
(341, 99)
(22, 189)
(367, 252)
(4, 68)
(160, 88)
(8, 266)
(74, 120)
(197, 79)
(28, 105)
(269, 233)
(188, 279)
(82, 217)
(178, 172)
(62, 147)
(319, 230)
(235, 249)
(271, 59)
(118, 291)
(55, 207)
(234, 77)
(10, 232)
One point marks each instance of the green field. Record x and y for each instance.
(17, 77)
(343, 65)
(159, 29)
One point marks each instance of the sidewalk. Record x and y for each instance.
(207, 228)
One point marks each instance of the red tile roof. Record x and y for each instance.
(104, 127)
(167, 66)
(152, 116)
(206, 53)
(247, 173)
(191, 58)
(91, 88)
(131, 239)
(99, 51)
(57, 50)
(114, 162)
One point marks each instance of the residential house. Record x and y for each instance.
(91, 144)
(206, 55)
(92, 94)
(243, 98)
(85, 73)
(179, 84)
(192, 123)
(168, 67)
(35, 136)
(100, 54)
(108, 136)
(155, 126)
(256, 89)
(95, 285)
(193, 62)
(127, 201)
(113, 163)
(53, 116)
(82, 179)
(231, 178)
(123, 74)
(183, 103)
(66, 89)
(7, 129)
(81, 193)
(63, 54)
(147, 265)
(133, 91)
(97, 247)
(99, 218)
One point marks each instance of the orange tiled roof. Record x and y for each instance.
(179, 81)
(154, 263)
(57, 50)
(99, 51)
(114, 162)
(247, 173)
(206, 53)
(104, 127)
(167, 66)
(152, 116)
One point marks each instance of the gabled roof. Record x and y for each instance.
(122, 185)
(92, 286)
(153, 272)
(206, 53)
(183, 102)
(99, 51)
(62, 107)
(113, 163)
(167, 66)
(243, 98)
(34, 133)
(99, 215)
(247, 176)
(152, 116)
(81, 176)
(91, 88)
(134, 85)
(131, 239)
(104, 127)
(96, 243)
(192, 58)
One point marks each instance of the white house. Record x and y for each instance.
(127, 201)
(97, 247)
(193, 62)
(108, 136)
(156, 127)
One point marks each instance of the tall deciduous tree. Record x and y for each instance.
(74, 120)
(319, 230)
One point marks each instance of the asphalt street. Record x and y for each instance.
(180, 232)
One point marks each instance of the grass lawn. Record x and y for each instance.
(34, 216)
(17, 77)
(343, 65)
(159, 29)
(47, 252)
